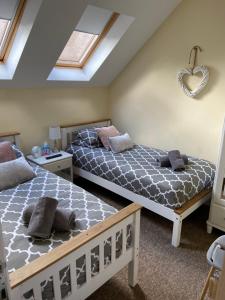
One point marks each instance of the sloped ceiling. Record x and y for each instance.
(54, 23)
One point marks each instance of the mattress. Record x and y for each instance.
(21, 249)
(137, 170)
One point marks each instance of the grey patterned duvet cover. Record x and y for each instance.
(20, 248)
(137, 171)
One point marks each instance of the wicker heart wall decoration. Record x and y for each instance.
(193, 71)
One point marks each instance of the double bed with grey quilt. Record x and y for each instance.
(137, 170)
(21, 249)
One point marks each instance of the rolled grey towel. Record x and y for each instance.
(42, 218)
(64, 218)
(176, 161)
(165, 162)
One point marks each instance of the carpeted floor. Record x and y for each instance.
(165, 272)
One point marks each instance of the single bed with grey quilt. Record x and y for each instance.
(22, 249)
(138, 171)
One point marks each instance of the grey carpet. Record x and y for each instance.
(165, 272)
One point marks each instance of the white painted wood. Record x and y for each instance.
(220, 173)
(164, 211)
(157, 208)
(42, 161)
(104, 274)
(73, 275)
(133, 265)
(15, 139)
(55, 164)
(209, 228)
(88, 264)
(56, 284)
(177, 226)
(218, 215)
(37, 290)
(124, 240)
(93, 283)
(217, 208)
(101, 256)
(113, 248)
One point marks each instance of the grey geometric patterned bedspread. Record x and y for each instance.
(137, 171)
(20, 248)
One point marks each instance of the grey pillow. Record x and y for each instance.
(120, 143)
(17, 151)
(86, 137)
(14, 172)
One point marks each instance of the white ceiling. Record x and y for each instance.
(53, 23)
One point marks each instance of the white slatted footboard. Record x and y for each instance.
(77, 268)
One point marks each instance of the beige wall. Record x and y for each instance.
(146, 99)
(31, 111)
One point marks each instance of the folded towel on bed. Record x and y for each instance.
(64, 218)
(42, 217)
(176, 160)
(165, 162)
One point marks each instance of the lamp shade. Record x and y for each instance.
(54, 133)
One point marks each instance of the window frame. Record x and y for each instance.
(12, 31)
(101, 36)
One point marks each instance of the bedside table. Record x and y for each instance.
(56, 164)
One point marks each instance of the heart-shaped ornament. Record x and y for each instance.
(188, 71)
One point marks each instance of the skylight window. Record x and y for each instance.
(81, 46)
(10, 16)
(77, 49)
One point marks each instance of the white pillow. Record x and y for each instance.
(14, 172)
(120, 143)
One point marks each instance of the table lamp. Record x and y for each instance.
(55, 134)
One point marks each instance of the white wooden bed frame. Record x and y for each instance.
(30, 276)
(175, 215)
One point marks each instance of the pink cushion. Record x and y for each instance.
(6, 152)
(105, 132)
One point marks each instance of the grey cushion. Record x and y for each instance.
(17, 151)
(86, 137)
(120, 143)
(15, 172)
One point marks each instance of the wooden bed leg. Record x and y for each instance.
(177, 226)
(133, 265)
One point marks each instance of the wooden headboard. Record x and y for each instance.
(12, 136)
(66, 130)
